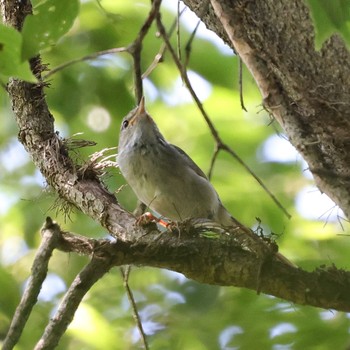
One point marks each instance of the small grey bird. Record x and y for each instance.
(166, 179)
(163, 176)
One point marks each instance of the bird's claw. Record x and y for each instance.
(148, 218)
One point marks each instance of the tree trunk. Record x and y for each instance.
(306, 91)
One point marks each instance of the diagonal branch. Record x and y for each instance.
(51, 235)
(92, 272)
(125, 272)
(136, 47)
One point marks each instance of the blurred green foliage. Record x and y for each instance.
(329, 17)
(91, 97)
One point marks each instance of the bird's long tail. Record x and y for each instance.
(254, 242)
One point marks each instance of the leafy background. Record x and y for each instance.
(92, 97)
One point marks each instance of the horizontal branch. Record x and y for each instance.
(221, 261)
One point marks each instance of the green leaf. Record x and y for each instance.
(11, 64)
(330, 17)
(51, 20)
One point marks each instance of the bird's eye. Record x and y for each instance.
(125, 124)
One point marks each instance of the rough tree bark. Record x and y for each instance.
(307, 91)
(293, 90)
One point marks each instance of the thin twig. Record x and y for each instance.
(159, 56)
(188, 46)
(50, 237)
(185, 78)
(136, 47)
(157, 59)
(220, 144)
(125, 272)
(251, 172)
(136, 55)
(213, 159)
(178, 34)
(241, 84)
(89, 57)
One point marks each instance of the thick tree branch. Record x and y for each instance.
(307, 91)
(222, 261)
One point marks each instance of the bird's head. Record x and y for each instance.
(138, 127)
